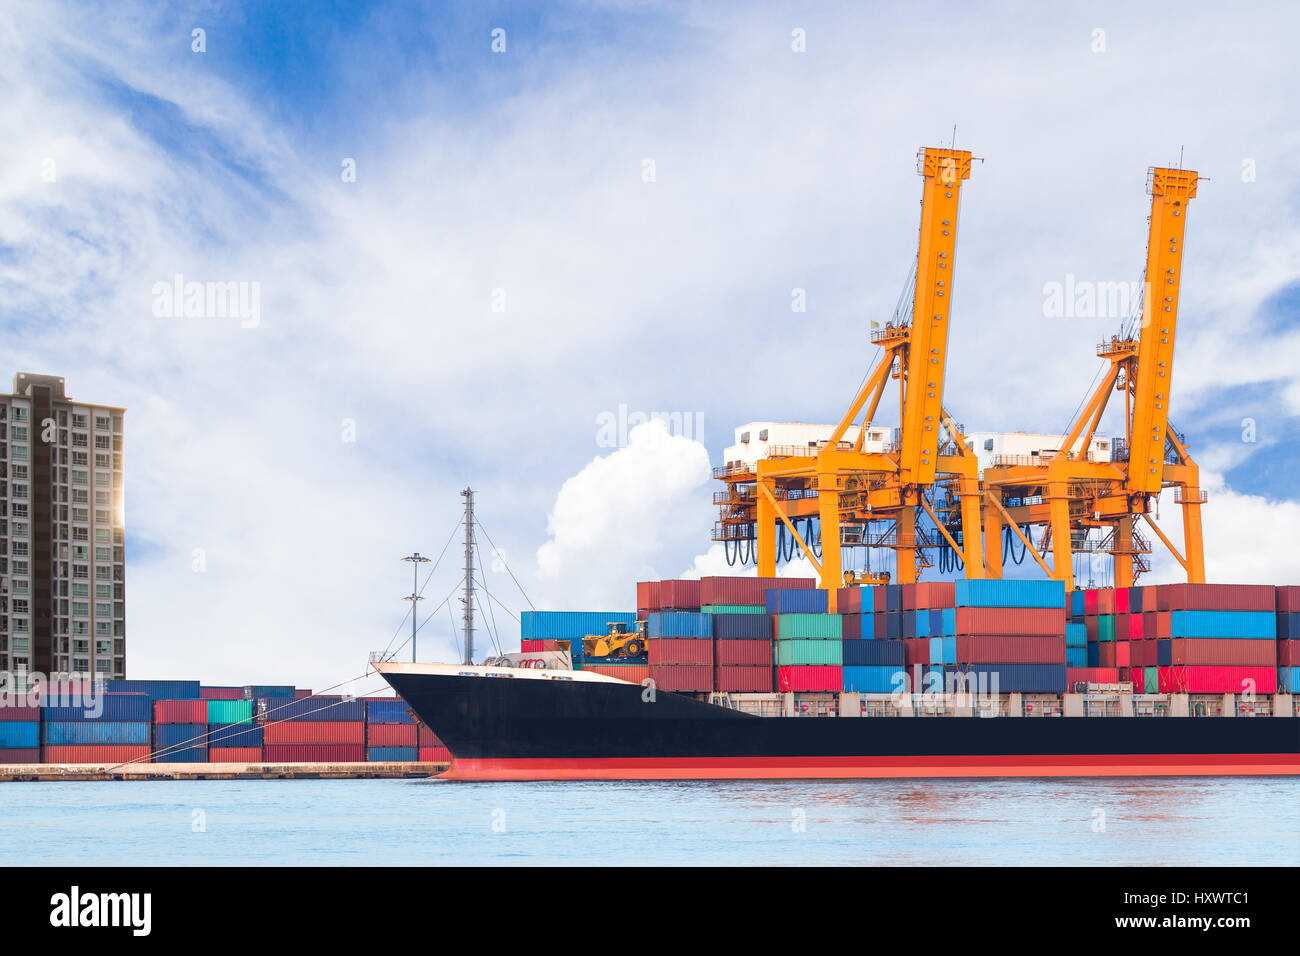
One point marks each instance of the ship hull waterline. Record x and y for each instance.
(505, 726)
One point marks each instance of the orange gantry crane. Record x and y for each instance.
(849, 487)
(1071, 494)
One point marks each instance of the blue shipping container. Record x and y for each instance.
(1076, 635)
(1289, 678)
(1288, 626)
(1247, 625)
(388, 712)
(893, 626)
(923, 624)
(893, 597)
(875, 680)
(1005, 592)
(742, 627)
(568, 625)
(104, 707)
(187, 755)
(169, 735)
(62, 733)
(157, 689)
(1008, 678)
(254, 691)
(234, 735)
(943, 650)
(392, 754)
(679, 624)
(1076, 656)
(796, 601)
(949, 621)
(1076, 603)
(1094, 653)
(311, 708)
(20, 734)
(874, 653)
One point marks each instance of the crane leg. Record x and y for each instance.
(765, 533)
(907, 541)
(1193, 547)
(828, 509)
(970, 527)
(992, 542)
(1058, 510)
(1124, 552)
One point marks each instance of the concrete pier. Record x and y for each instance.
(217, 771)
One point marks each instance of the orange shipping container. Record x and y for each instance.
(390, 735)
(1223, 651)
(101, 753)
(632, 673)
(434, 755)
(1011, 620)
(315, 732)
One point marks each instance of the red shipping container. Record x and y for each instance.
(1217, 680)
(1106, 654)
(11, 755)
(529, 645)
(918, 650)
(314, 753)
(301, 692)
(1288, 599)
(180, 711)
(1135, 630)
(1122, 626)
(680, 650)
(744, 653)
(1011, 620)
(1223, 651)
(908, 597)
(647, 596)
(1122, 658)
(1216, 597)
(314, 732)
(632, 673)
(1010, 650)
(1156, 624)
(1090, 602)
(13, 712)
(1105, 601)
(933, 595)
(744, 680)
(1092, 628)
(679, 595)
(434, 755)
(234, 755)
(752, 591)
(96, 753)
(1121, 600)
(221, 693)
(390, 735)
(879, 626)
(1288, 653)
(685, 678)
(427, 738)
(810, 678)
(1090, 675)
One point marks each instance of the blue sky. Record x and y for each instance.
(521, 173)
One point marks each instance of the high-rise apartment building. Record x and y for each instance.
(62, 573)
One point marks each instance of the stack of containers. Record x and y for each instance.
(870, 665)
(809, 642)
(567, 626)
(1094, 610)
(20, 731)
(110, 728)
(312, 730)
(432, 750)
(232, 735)
(742, 651)
(1288, 639)
(156, 689)
(390, 730)
(1222, 638)
(737, 595)
(680, 650)
(1008, 631)
(180, 731)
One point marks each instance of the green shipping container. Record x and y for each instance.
(1106, 627)
(230, 711)
(822, 627)
(798, 652)
(733, 609)
(1150, 680)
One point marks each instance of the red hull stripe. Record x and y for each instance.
(717, 768)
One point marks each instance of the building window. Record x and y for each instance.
(18, 452)
(81, 590)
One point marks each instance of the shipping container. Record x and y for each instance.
(744, 653)
(943, 650)
(1090, 675)
(1106, 628)
(1223, 651)
(12, 712)
(19, 755)
(874, 679)
(1288, 653)
(679, 595)
(176, 737)
(156, 689)
(1216, 597)
(314, 732)
(235, 754)
(662, 624)
(392, 754)
(1008, 678)
(221, 693)
(229, 711)
(426, 737)
(1010, 620)
(20, 735)
(92, 732)
(1288, 599)
(255, 691)
(110, 707)
(570, 625)
(918, 650)
(851, 626)
(647, 596)
(686, 678)
(805, 652)
(1232, 624)
(1076, 657)
(632, 673)
(1288, 626)
(741, 679)
(874, 654)
(809, 679)
(180, 711)
(987, 649)
(745, 590)
(1290, 679)
(1076, 635)
(796, 601)
(935, 594)
(388, 710)
(437, 754)
(857, 600)
(809, 627)
(342, 709)
(1077, 605)
(112, 754)
(1217, 680)
(733, 609)
(390, 735)
(1122, 658)
(1009, 593)
(680, 650)
(181, 754)
(238, 736)
(742, 627)
(314, 753)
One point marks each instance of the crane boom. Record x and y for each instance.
(1170, 191)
